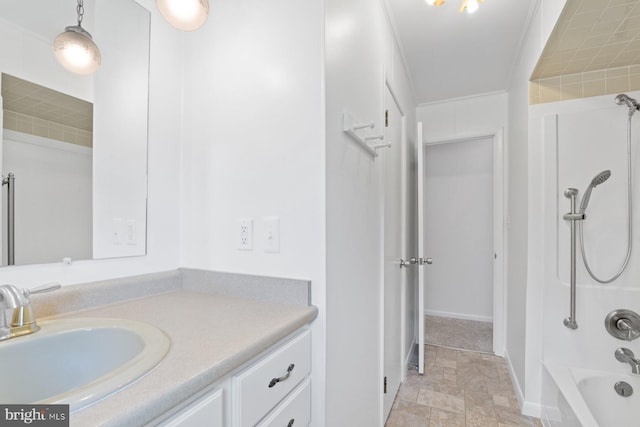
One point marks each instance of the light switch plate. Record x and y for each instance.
(272, 234)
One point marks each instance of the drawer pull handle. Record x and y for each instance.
(291, 422)
(282, 378)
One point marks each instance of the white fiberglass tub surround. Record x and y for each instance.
(587, 398)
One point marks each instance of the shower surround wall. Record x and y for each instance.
(577, 140)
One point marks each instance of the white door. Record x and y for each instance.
(421, 275)
(391, 159)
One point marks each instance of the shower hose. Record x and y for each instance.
(629, 221)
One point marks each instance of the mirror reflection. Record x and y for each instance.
(73, 148)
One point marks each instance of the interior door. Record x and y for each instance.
(421, 225)
(391, 159)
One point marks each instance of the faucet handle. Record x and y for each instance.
(47, 287)
(624, 354)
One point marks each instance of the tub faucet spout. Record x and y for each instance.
(625, 355)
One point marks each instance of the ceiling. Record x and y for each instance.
(451, 54)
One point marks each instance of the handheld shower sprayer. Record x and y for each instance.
(632, 104)
(597, 180)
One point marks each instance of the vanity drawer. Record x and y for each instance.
(205, 411)
(295, 411)
(259, 389)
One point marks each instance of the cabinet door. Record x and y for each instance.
(295, 411)
(204, 412)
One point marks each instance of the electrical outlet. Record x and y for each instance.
(245, 234)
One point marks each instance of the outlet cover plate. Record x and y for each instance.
(245, 234)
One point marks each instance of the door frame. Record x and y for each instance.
(500, 224)
(388, 85)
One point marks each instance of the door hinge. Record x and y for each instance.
(386, 118)
(385, 385)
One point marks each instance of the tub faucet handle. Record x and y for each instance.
(627, 326)
(625, 355)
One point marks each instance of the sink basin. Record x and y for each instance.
(78, 361)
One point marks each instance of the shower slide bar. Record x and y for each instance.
(9, 181)
(573, 216)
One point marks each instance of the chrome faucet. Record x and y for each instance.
(625, 355)
(23, 321)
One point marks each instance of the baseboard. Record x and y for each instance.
(532, 409)
(528, 408)
(514, 379)
(477, 318)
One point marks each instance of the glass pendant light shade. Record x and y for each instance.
(472, 6)
(76, 51)
(185, 15)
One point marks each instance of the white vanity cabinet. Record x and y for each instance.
(271, 390)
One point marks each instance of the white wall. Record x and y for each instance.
(52, 198)
(359, 43)
(254, 147)
(163, 180)
(524, 297)
(121, 97)
(458, 209)
(455, 118)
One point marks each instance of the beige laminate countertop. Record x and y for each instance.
(211, 335)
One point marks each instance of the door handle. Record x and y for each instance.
(409, 263)
(426, 261)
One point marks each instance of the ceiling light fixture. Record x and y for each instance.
(185, 15)
(469, 5)
(74, 48)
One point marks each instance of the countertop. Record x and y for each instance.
(211, 335)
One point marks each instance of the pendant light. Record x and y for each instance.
(185, 15)
(74, 48)
(469, 5)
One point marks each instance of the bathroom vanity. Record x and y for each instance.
(240, 348)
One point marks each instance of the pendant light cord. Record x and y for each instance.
(80, 10)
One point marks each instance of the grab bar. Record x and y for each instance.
(9, 181)
(573, 216)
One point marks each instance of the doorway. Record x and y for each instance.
(457, 222)
(458, 209)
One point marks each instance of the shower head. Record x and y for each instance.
(624, 99)
(597, 180)
(600, 178)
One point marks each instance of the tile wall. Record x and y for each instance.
(582, 85)
(34, 126)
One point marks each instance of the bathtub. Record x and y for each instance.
(586, 398)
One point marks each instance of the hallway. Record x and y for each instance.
(459, 389)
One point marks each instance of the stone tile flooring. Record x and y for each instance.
(458, 333)
(459, 389)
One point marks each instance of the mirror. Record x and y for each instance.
(75, 145)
